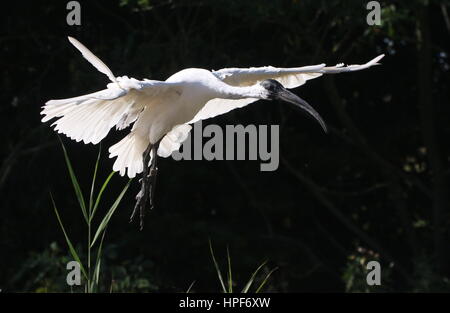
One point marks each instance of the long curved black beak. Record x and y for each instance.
(286, 95)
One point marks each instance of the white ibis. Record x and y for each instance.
(162, 110)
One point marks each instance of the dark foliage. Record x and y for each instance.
(375, 188)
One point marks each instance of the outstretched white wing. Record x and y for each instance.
(90, 117)
(289, 77)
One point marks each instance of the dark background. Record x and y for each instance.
(375, 188)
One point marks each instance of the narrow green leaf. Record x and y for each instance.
(99, 196)
(216, 265)
(190, 287)
(252, 278)
(98, 263)
(69, 243)
(108, 215)
(75, 184)
(91, 196)
(230, 279)
(265, 280)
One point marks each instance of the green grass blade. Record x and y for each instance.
(98, 263)
(190, 287)
(69, 243)
(265, 280)
(99, 196)
(91, 196)
(252, 278)
(216, 265)
(230, 279)
(108, 215)
(75, 184)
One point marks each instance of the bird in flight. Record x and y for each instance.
(161, 111)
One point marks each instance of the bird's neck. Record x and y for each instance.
(233, 92)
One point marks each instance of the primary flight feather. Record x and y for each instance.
(93, 59)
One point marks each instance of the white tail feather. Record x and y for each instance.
(130, 149)
(129, 153)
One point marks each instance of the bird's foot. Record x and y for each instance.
(139, 201)
(148, 182)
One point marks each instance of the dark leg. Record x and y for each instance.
(153, 174)
(148, 181)
(141, 196)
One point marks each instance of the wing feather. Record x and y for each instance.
(173, 140)
(289, 77)
(219, 106)
(93, 59)
(90, 117)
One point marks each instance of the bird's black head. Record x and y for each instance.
(273, 87)
(276, 91)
